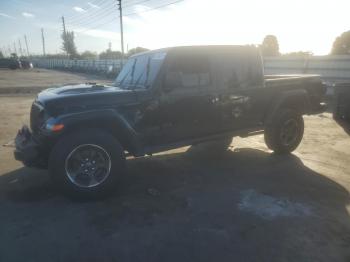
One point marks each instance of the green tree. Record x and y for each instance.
(299, 54)
(269, 46)
(341, 45)
(109, 54)
(68, 44)
(136, 50)
(1, 55)
(54, 56)
(88, 55)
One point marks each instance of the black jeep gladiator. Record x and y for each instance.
(162, 99)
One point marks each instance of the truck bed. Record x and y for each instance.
(273, 80)
(310, 83)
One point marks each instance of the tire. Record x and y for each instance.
(285, 132)
(99, 158)
(347, 117)
(336, 111)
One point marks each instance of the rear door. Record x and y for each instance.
(240, 92)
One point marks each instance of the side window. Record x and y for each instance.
(237, 71)
(228, 68)
(193, 70)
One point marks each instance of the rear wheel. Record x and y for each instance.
(285, 132)
(87, 164)
(336, 107)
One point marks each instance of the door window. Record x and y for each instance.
(193, 70)
(237, 70)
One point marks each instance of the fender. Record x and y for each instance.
(295, 99)
(107, 119)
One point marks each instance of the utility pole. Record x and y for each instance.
(121, 28)
(64, 26)
(14, 47)
(43, 40)
(64, 32)
(25, 40)
(20, 47)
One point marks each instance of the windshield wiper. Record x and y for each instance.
(147, 73)
(122, 81)
(133, 71)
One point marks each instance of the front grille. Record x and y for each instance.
(36, 117)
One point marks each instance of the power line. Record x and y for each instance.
(96, 19)
(155, 8)
(87, 14)
(129, 14)
(137, 3)
(77, 15)
(97, 26)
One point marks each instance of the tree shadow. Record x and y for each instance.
(182, 206)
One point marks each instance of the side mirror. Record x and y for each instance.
(172, 81)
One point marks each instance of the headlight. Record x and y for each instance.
(52, 125)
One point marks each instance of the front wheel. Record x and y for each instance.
(87, 164)
(285, 132)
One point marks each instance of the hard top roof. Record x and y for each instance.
(207, 48)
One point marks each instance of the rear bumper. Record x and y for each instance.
(27, 149)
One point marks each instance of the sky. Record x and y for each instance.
(299, 25)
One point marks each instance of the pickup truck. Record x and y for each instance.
(162, 99)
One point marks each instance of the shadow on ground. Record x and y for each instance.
(181, 207)
(344, 124)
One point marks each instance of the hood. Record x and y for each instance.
(84, 96)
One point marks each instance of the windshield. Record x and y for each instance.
(139, 72)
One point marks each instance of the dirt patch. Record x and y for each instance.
(35, 80)
(269, 207)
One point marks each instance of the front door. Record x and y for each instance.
(184, 102)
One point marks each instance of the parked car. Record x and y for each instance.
(10, 63)
(341, 101)
(26, 64)
(161, 100)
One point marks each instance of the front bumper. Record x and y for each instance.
(27, 149)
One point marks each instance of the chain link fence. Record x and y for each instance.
(108, 68)
(332, 69)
